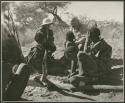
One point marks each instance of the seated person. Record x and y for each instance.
(71, 51)
(95, 63)
(79, 38)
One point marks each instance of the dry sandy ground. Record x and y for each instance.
(35, 92)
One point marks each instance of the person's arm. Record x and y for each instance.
(81, 40)
(50, 42)
(106, 54)
(39, 36)
(95, 51)
(68, 44)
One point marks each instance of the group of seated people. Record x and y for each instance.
(90, 64)
(89, 58)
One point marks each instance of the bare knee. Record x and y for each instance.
(74, 81)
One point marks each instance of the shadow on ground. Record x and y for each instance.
(58, 69)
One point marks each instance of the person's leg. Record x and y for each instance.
(78, 81)
(73, 66)
(86, 64)
(87, 70)
(71, 55)
(80, 46)
(103, 71)
(18, 84)
(44, 67)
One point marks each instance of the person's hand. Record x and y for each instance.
(76, 42)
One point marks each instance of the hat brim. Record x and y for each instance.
(47, 24)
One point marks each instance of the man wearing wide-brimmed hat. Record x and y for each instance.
(45, 47)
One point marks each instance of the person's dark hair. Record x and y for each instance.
(75, 23)
(70, 36)
(94, 32)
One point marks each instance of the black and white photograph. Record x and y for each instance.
(62, 51)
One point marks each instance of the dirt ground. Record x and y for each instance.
(35, 92)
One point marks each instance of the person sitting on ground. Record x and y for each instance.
(74, 37)
(71, 51)
(93, 64)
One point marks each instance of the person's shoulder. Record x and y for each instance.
(105, 44)
(69, 44)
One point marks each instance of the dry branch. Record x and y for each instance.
(53, 11)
